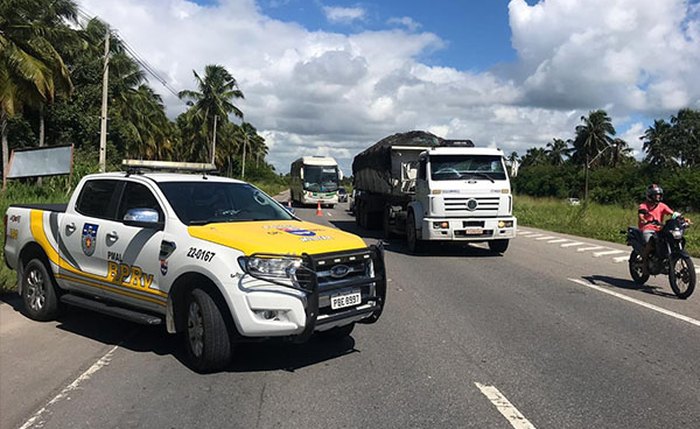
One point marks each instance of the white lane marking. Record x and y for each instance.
(546, 237)
(525, 233)
(697, 270)
(621, 259)
(101, 363)
(638, 302)
(607, 252)
(535, 235)
(329, 214)
(559, 240)
(504, 407)
(584, 249)
(575, 243)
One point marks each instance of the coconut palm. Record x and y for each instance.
(557, 150)
(534, 156)
(593, 136)
(31, 69)
(213, 98)
(657, 144)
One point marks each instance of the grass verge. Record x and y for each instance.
(596, 221)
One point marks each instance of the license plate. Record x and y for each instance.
(473, 231)
(346, 300)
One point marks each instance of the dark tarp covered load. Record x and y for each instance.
(378, 156)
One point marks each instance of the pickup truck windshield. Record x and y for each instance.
(200, 203)
(467, 167)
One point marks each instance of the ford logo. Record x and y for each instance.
(471, 204)
(340, 271)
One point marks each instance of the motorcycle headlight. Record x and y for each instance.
(271, 268)
(677, 233)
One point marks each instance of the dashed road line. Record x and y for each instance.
(575, 243)
(535, 235)
(102, 362)
(503, 405)
(546, 237)
(621, 259)
(638, 302)
(585, 249)
(558, 240)
(525, 233)
(607, 252)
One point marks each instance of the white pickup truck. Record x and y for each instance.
(214, 258)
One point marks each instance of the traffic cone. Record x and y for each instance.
(318, 210)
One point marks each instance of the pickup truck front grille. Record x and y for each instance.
(480, 205)
(343, 272)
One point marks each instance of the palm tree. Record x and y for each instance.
(31, 69)
(557, 150)
(534, 156)
(592, 137)
(686, 137)
(657, 144)
(216, 91)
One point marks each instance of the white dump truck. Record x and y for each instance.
(431, 189)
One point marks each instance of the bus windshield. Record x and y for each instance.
(467, 167)
(319, 178)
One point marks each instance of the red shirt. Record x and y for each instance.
(652, 212)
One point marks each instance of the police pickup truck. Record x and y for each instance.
(210, 257)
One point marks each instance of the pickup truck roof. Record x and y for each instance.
(165, 177)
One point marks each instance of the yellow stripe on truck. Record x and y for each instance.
(37, 227)
(283, 237)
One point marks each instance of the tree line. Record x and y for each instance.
(671, 159)
(51, 69)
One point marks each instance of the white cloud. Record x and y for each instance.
(317, 92)
(343, 15)
(405, 21)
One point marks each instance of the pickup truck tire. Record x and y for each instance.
(498, 246)
(336, 334)
(206, 337)
(39, 292)
(415, 244)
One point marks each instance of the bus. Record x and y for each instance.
(315, 179)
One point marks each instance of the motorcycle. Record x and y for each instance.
(668, 256)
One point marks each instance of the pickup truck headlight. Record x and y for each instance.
(270, 267)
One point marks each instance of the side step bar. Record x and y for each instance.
(111, 310)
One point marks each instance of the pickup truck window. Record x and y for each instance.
(137, 196)
(200, 203)
(97, 199)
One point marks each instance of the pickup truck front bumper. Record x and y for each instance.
(306, 306)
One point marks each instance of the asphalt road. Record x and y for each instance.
(553, 334)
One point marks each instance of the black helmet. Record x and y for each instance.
(653, 190)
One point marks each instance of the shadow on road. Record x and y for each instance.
(398, 245)
(269, 355)
(628, 285)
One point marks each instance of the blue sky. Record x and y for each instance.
(331, 77)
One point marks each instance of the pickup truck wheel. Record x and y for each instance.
(414, 243)
(207, 339)
(38, 292)
(499, 246)
(336, 334)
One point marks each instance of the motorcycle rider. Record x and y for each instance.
(651, 218)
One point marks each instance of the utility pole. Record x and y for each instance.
(103, 117)
(213, 142)
(245, 143)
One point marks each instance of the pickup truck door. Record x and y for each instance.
(131, 252)
(81, 233)
(104, 257)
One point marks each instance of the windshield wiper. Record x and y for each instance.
(484, 175)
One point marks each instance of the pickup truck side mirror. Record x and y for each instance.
(143, 218)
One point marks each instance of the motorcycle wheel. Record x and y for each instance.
(681, 275)
(636, 267)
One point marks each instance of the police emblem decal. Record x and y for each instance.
(89, 238)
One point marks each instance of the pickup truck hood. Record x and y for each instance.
(283, 237)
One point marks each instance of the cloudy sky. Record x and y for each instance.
(325, 77)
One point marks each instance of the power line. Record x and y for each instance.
(145, 65)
